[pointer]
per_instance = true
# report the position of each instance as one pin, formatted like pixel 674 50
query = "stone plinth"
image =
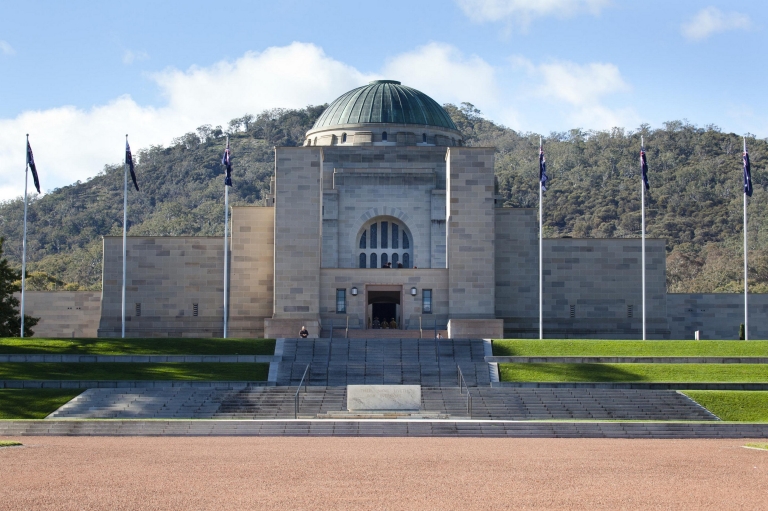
pixel 383 397
pixel 476 328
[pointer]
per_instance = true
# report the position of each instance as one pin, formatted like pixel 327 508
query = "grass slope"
pixel 122 371
pixel 607 348
pixel 137 346
pixel 33 403
pixel 709 373
pixel 743 405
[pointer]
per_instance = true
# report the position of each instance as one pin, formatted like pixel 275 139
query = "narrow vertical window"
pixel 384 259
pixel 395 260
pixel 374 264
pixel 374 235
pixel 406 241
pixel 341 301
pixel 384 234
pixel 426 301
pixel 362 260
pixel 395 236
pixel 343 138
pixel 424 138
pixel 363 239
pixel 406 260
pixel 384 137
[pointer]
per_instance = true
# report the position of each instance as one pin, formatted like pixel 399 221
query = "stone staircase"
pixel 395 361
pixel 150 403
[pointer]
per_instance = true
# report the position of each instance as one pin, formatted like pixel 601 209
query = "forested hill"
pixel 695 201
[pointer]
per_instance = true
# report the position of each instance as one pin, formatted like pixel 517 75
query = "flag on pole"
pixel 644 168
pixel 542 169
pixel 747 172
pixel 227 162
pixel 129 162
pixel 31 163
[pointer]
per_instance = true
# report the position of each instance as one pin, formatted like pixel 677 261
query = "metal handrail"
pixel 296 395
pixel 461 391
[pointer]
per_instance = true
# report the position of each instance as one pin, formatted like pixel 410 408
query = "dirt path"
pixel 62 473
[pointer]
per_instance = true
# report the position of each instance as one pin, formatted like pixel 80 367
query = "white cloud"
pixel 712 20
pixel 523 11
pixel 73 144
pixel 129 57
pixel 583 89
pixel 444 73
pixel 6 48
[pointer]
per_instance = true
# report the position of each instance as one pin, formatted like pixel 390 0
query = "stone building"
pixel 385 215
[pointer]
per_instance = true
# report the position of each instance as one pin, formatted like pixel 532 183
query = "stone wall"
pixel 592 287
pixel 411 306
pixel 517 267
pixel 361 183
pixel 298 232
pixel 470 231
pixel 64 313
pixel 716 315
pixel 251 270
pixel 166 277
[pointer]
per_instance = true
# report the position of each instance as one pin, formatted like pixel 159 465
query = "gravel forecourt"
pixel 291 473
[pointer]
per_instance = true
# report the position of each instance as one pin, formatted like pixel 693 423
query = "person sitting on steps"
pixel 393 324
pixel 304 333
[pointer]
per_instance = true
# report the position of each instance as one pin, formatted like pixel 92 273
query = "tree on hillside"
pixel 10 319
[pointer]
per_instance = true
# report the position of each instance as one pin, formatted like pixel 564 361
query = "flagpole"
pixel 125 228
pixel 642 200
pixel 24 239
pixel 226 248
pixel 746 295
pixel 541 257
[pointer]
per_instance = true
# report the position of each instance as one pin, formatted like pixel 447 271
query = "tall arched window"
pixel 384 137
pixel 383 239
pixel 424 138
pixel 343 138
pixel 362 260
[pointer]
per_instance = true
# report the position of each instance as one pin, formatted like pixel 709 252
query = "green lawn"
pixel 8 443
pixel 733 405
pixel 710 373
pixel 138 346
pixel 607 348
pixel 33 403
pixel 759 446
pixel 125 371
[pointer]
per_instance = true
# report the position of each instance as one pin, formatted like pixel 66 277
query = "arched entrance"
pixel 383 303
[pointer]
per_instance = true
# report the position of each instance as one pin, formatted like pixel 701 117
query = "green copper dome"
pixel 385 101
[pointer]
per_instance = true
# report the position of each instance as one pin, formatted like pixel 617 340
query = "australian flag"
pixel 542 170
pixel 747 173
pixel 129 162
pixel 31 163
pixel 644 168
pixel 227 162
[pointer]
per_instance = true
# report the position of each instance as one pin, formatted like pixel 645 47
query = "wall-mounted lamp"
pixel 413 291
pixel 354 291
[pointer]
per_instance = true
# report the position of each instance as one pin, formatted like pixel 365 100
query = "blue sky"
pixel 77 76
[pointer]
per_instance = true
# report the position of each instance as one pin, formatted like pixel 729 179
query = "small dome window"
pixel 384 137
pixel 424 138
pixel 343 138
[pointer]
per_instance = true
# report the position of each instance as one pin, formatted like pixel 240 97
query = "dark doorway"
pixel 384 306
pixel 384 311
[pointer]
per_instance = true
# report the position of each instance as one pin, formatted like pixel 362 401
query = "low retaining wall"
pixel 128 384
pixel 639 386
pixel 394 428
pixel 627 360
pixel 153 359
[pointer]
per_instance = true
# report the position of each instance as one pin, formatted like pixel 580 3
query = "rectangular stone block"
pixel 383 397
